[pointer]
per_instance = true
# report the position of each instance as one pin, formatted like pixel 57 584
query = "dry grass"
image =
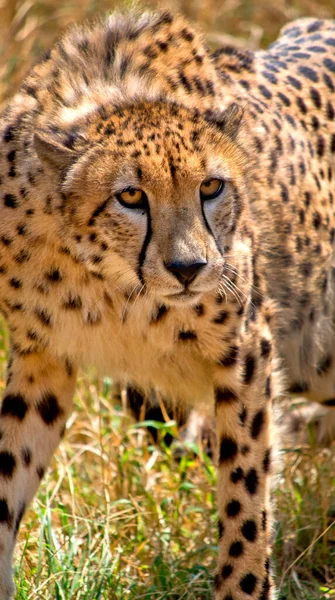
pixel 116 516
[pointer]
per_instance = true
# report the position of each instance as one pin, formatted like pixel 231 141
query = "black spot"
pixel 285 100
pixel 22 256
pixel 21 229
pixel 270 77
pixel 249 530
pixel 187 335
pixel 54 275
pixel 328 82
pixel 10 201
pixel 324 365
pixel 236 475
pixel 199 309
pixel 19 517
pixel 173 169
pixel 224 396
pixel 257 424
pixel 258 144
pixel 26 456
pixel 320 146
pixel 248 583
pixel 15 283
pixel 267 461
pixel 226 571
pixel 330 111
pixel 265 595
pixel 330 402
pixel 313 27
pixel 221 317
pixel 264 520
pixel 73 302
pixel 251 481
pixel 32 335
pixel 124 64
pixel 236 549
pixel 7 464
pixel 249 368
pixel 308 73
pixel 44 316
pixel 40 472
pixel 6 516
pixel 301 213
pixel 294 82
pixel 49 408
pixel 306 269
pixel 301 105
pixel 265 92
pixel 6 240
pixel 14 405
pixel 162 45
pixel 243 415
pixel 315 123
pixel 68 367
pixel 265 347
pixel 230 359
pixel 228 449
pixel 329 64
pixel 298 388
pixel 284 193
pixel 9 133
pixel 267 565
pixel 233 508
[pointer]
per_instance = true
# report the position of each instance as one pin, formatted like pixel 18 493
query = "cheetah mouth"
pixel 183 297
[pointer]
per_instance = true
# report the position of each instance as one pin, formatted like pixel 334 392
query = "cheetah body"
pixel 142 103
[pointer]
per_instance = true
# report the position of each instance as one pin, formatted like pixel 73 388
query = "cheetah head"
pixel 150 196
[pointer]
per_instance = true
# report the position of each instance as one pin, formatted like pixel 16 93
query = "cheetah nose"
pixel 185 272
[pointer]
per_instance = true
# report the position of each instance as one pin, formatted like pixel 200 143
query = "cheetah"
pixel 167 215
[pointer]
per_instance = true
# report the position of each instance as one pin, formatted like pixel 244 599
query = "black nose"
pixel 185 272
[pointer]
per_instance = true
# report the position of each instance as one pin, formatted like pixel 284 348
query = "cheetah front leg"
pixel 243 415
pixel 35 406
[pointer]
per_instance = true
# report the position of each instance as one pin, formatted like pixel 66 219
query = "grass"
pixel 116 516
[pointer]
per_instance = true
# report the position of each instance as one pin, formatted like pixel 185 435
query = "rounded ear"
pixel 228 120
pixel 53 154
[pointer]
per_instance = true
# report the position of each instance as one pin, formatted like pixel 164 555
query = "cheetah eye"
pixel 133 198
pixel 211 189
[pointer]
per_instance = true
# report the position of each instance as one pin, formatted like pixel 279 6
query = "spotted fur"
pixel 139 101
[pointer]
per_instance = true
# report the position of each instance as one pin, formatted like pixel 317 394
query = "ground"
pixel 127 520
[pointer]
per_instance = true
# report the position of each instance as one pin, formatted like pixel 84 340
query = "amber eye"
pixel 211 188
pixel 133 198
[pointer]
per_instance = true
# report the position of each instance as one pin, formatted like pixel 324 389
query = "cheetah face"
pixel 152 203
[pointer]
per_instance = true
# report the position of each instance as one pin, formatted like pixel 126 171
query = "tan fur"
pixel 140 102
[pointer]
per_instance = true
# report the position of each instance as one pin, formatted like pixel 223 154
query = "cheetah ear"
pixel 57 156
pixel 228 120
